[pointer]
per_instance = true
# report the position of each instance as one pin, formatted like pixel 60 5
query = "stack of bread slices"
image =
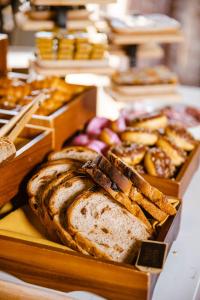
pixel 95 205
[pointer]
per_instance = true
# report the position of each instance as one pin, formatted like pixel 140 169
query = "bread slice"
pixel 104 228
pixel 45 196
pixel 128 188
pixel 61 198
pixel 44 176
pixel 112 188
pixel 79 153
pixel 139 182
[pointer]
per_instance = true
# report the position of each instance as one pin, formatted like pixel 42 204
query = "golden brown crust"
pixel 129 190
pixel 77 149
pixel 158 163
pixel 146 189
pixel 111 187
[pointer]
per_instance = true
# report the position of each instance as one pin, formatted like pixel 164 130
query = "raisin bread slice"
pixel 45 196
pixel 129 189
pixel 152 193
pixel 112 188
pixel 43 177
pixel 59 201
pixel 79 153
pixel 103 227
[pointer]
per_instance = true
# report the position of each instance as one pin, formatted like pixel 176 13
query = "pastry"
pixel 131 153
pixel 180 137
pixel 158 163
pixel 140 136
pixel 150 121
pixel 176 154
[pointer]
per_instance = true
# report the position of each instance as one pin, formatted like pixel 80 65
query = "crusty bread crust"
pixel 79 153
pixel 57 216
pixel 138 181
pixel 128 188
pixel 105 182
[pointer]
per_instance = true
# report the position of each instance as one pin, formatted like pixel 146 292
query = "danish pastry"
pixel 181 137
pixel 158 163
pixel 177 155
pixel 139 136
pixel 150 121
pixel 131 153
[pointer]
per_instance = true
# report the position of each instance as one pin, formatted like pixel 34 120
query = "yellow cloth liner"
pixel 22 224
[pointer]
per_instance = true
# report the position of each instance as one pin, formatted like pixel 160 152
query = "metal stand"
pixel 131 51
pixel 61 16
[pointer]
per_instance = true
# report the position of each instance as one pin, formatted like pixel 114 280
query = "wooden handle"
pixel 16 124
pixel 13 291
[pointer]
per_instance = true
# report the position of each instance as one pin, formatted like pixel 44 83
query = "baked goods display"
pixel 70 46
pixel 15 93
pixel 184 115
pixel 157 75
pixel 155 23
pixel 81 198
pixel 148 143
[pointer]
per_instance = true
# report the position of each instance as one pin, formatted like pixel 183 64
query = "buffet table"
pixel 180 278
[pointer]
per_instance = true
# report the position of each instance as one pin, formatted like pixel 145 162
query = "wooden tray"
pixel 66 270
pixel 128 98
pixel 66 120
pixel 29 155
pixel 132 90
pixel 178 186
pixel 70 2
pixel 141 38
pixel 74 67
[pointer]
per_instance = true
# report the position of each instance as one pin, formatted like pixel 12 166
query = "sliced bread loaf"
pixel 43 177
pixel 128 188
pixel 59 201
pixel 79 153
pixel 103 227
pixel 139 182
pixel 112 188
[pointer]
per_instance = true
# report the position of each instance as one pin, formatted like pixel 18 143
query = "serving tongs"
pixel 10 131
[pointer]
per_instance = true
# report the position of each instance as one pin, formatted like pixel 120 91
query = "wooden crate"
pixel 178 186
pixel 66 120
pixel 141 95
pixel 67 270
pixel 3 54
pixel 29 155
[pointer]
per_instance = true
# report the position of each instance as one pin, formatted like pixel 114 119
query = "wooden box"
pixel 178 186
pixel 28 155
pixel 65 270
pixel 3 54
pixel 66 120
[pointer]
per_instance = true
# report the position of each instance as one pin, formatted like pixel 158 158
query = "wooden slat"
pixel 70 2
pixel 3 54
pixel 13 291
pixel 128 39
